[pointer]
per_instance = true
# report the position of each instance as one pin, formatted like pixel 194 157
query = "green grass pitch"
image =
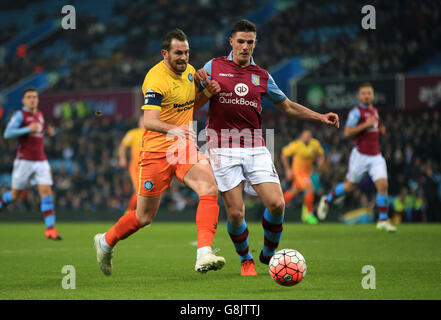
pixel 158 263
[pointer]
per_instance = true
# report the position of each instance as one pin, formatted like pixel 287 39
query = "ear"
pixel 231 41
pixel 164 53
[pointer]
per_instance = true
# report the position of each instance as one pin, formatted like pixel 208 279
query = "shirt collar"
pixel 171 72
pixel 362 105
pixel 26 109
pixel 230 57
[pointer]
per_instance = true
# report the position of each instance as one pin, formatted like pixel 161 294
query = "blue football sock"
pixel 47 208
pixel 272 231
pixel 239 236
pixel 336 192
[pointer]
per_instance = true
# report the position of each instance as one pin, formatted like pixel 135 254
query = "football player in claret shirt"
pixel 364 127
pixel 236 147
pixel 30 165
pixel 132 140
pixel 304 151
pixel 168 150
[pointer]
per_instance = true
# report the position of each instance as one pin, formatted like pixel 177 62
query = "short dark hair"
pixel 177 34
pixel 29 89
pixel 365 85
pixel 245 26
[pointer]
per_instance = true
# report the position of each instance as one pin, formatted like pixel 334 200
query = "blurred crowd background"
pixel 117 41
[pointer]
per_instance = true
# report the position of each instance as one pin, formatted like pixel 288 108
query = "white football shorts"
pixel 360 163
pixel 231 166
pixel 27 173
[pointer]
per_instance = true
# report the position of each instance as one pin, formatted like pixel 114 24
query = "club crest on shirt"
pixel 255 79
pixel 148 185
pixel 190 77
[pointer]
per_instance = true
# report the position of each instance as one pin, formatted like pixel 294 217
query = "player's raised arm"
pixel 294 109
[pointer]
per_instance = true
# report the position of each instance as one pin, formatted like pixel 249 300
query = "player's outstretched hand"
pixel 331 119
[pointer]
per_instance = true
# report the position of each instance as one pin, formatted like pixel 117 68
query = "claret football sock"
pixel 126 225
pixel 207 215
pixel 272 230
pixel 336 192
pixel 239 236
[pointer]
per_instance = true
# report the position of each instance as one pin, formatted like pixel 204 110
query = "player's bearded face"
pixel 243 44
pixel 177 56
pixel 366 95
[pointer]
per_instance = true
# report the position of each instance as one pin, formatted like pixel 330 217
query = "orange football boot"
pixel 52 233
pixel 247 268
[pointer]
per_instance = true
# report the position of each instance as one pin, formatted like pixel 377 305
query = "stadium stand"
pixel 121 42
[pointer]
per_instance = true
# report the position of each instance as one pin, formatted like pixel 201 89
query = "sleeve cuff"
pixel 150 107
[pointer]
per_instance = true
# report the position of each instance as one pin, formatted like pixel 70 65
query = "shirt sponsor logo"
pixel 184 106
pixel 226 75
pixel 239 101
pixel 241 89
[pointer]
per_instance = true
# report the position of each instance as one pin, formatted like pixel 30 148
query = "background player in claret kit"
pixel 364 127
pixel 30 165
pixel 304 151
pixel 168 150
pixel 239 158
pixel 132 140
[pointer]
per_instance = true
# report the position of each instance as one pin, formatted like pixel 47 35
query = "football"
pixel 287 267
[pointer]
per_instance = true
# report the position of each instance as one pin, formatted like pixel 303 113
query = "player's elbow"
pixel 148 124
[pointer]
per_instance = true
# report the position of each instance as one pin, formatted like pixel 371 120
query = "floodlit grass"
pixel 158 263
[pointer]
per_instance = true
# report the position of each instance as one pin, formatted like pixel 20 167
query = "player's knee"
pixel 309 189
pixel 144 217
pixel 15 194
pixel 277 207
pixel 349 186
pixel 236 215
pixel 144 220
pixel 382 187
pixel 208 189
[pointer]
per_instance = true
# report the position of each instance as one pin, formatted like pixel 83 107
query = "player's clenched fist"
pixel 371 121
pixel 212 86
pixel 201 75
pixel 331 119
pixel 34 127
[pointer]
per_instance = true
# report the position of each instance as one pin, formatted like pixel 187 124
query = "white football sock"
pixel 104 245
pixel 202 251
